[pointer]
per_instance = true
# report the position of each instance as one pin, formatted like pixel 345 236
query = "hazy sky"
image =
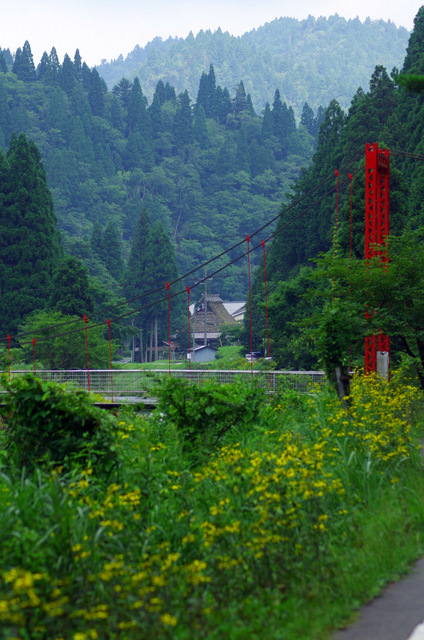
pixel 107 28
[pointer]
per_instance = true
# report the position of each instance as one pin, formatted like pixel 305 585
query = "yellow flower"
pixel 169 620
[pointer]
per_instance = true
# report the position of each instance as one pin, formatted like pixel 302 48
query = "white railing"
pixel 134 383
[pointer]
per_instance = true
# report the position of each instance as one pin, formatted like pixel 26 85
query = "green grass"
pixel 279 528
pixel 158 364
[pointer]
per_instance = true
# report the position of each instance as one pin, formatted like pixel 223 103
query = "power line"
pixel 202 266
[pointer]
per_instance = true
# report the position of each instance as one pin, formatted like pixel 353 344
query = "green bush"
pixel 47 423
pixel 204 413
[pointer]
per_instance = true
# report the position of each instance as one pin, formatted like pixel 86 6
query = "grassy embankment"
pixel 227 517
pixel 229 357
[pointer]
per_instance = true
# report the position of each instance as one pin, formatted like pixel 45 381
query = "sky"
pixel 104 29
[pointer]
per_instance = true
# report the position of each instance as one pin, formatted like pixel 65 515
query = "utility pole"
pixel 205 341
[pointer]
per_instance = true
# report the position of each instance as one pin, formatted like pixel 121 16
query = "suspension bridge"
pixel 130 386
pixel 377 347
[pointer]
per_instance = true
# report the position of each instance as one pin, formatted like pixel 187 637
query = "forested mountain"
pixel 313 60
pixel 386 114
pixel 210 172
pixel 136 181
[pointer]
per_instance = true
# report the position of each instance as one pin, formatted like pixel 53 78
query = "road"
pixel 398 614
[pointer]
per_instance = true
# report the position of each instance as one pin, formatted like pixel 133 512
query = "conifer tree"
pixel 112 251
pixel 78 65
pixel 267 123
pixel 240 100
pixel 116 118
pixel 134 280
pixel 137 108
pixel 156 115
pixel 71 289
pixel 27 71
pixel 29 240
pixel 183 123
pixel 200 130
pixel 16 69
pixel 43 68
pixel 54 67
pixel 307 119
pixel 68 76
pixel 206 92
pixel 85 77
pixel 3 63
pixel 161 267
pixel 96 240
pixel 95 95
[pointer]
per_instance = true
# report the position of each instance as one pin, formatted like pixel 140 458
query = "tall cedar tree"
pixel 29 240
pixel 71 288
pixel 112 251
pixel 135 283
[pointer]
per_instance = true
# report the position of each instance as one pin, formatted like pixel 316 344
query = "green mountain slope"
pixel 210 172
pixel 313 60
pixel 386 114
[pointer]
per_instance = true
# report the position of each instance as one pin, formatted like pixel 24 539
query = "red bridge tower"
pixel 377 171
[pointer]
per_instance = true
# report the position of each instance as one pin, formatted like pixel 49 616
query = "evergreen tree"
pixel 200 130
pixel 206 93
pixel 68 76
pixel 96 240
pixel 137 108
pixel 112 251
pixel 29 240
pixel 16 69
pixel 54 67
pixel 160 92
pixel 70 288
pixel 161 267
pixel 3 63
pixel 43 68
pixel 307 119
pixel 85 77
pixel 155 113
pixel 240 100
pixel 169 94
pixel 95 95
pixel 242 151
pixel 223 105
pixel 116 118
pixel 78 66
pixel 183 123
pixel 267 123
pixel 122 91
pixel 27 71
pixel 277 113
pixel 134 280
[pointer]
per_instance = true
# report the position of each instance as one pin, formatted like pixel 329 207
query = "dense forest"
pixel 391 116
pixel 145 190
pixel 305 59
pixel 209 171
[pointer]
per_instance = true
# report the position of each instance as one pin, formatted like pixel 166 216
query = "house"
pixel 209 316
pixel 236 309
pixel 202 354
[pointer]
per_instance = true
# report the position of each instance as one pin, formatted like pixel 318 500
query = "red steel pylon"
pixel 377 195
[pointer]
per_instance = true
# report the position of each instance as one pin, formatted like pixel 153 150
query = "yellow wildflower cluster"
pixel 140 561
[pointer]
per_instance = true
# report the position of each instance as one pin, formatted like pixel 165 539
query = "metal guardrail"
pixel 139 382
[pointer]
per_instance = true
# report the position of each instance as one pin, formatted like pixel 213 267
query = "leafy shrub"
pixel 203 413
pixel 46 423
